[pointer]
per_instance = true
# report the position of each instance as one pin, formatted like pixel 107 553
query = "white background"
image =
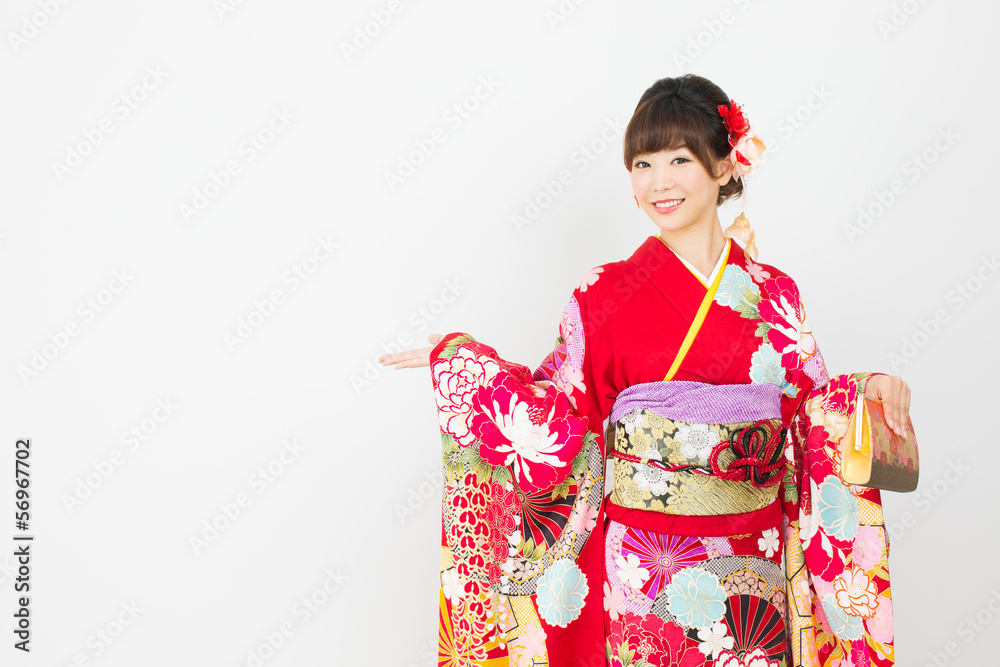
pixel 846 95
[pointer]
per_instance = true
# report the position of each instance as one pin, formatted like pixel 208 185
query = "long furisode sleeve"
pixel 523 465
pixel 836 547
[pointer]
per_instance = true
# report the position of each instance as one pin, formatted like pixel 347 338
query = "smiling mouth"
pixel 667 204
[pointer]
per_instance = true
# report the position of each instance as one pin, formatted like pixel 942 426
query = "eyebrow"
pixel 679 148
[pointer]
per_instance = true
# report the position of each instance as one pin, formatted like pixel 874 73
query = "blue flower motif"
pixel 732 286
pixel 766 368
pixel 838 509
pixel 561 591
pixel 843 624
pixel 696 597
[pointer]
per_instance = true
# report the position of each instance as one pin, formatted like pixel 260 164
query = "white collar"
pixel 698 274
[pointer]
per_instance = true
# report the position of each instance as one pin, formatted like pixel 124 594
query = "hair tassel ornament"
pixel 746 148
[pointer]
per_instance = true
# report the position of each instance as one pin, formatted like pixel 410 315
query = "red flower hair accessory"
pixel 746 146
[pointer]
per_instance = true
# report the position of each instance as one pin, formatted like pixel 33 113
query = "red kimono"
pixel 663 489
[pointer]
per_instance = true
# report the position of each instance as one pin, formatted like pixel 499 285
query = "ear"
pixel 726 166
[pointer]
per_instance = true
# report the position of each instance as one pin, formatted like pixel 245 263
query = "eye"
pixel 683 159
pixel 640 163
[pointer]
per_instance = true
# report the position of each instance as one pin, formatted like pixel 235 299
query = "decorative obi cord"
pixel 695 458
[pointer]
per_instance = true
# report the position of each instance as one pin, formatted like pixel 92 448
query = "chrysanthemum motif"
pixel 663 555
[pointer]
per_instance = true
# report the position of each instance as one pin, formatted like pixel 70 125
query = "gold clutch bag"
pixel 872 455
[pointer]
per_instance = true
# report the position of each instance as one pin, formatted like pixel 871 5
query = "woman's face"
pixel 675 190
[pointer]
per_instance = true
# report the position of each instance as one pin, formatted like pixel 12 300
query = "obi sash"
pixel 697 459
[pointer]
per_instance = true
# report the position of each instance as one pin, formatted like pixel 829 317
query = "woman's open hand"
pixel 894 395
pixel 411 358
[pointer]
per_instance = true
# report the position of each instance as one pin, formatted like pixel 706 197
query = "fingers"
pixel 900 415
pixel 395 358
pixel 897 405
pixel 411 358
pixel 890 404
pixel 904 407
pixel 409 363
pixel 889 409
pixel 407 358
pixel 873 389
pixel 894 394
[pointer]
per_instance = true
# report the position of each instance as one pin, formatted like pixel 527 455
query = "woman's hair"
pixel 682 111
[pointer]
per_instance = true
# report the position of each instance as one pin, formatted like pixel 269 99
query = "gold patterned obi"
pixel 720 452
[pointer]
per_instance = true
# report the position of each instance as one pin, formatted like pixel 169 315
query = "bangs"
pixel 665 124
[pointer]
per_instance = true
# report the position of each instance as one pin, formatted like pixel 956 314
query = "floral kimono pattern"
pixel 544 561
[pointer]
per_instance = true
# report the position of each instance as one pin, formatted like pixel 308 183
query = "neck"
pixel 701 245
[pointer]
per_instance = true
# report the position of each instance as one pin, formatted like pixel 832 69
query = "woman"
pixel 723 539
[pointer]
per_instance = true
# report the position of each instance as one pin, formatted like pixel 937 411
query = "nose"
pixel 663 178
